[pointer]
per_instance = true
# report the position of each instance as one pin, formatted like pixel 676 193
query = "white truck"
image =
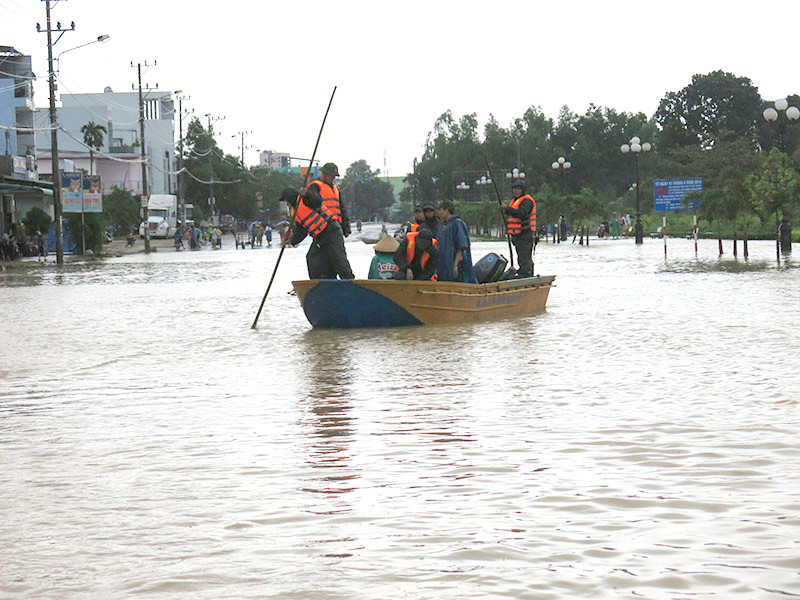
pixel 162 211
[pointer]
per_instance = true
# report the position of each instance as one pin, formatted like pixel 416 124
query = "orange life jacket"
pixel 515 225
pixel 413 228
pixel 330 199
pixel 411 236
pixel 314 221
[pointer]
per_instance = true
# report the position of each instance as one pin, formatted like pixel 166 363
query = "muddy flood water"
pixel 640 439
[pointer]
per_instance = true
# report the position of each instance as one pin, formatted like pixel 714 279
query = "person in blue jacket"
pixel 454 262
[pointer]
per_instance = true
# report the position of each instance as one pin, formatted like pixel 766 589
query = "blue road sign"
pixel 668 193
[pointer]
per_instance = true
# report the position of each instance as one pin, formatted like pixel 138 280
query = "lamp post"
pixel 636 146
pixel 790 113
pixel 100 38
pixel 463 186
pixel 560 166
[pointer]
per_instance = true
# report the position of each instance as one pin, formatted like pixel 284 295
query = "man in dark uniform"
pixel 326 257
pixel 325 191
pixel 521 226
pixel 429 212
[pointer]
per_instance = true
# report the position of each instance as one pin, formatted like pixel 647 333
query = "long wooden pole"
pixel 502 214
pixel 285 238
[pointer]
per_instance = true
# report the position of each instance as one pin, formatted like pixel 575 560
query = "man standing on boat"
pixel 454 262
pixel 521 226
pixel 326 257
pixel 324 191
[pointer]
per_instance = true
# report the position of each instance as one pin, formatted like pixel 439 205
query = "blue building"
pixel 20 188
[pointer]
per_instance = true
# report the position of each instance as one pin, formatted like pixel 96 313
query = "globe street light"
pixel 636 146
pixel 561 165
pixel 791 113
pixel 515 173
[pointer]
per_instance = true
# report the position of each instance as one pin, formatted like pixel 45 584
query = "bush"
pixel 36 220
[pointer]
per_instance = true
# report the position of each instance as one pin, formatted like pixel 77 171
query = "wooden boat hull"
pixel 375 303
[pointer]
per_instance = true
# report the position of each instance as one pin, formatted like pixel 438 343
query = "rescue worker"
pixel 417 254
pixel 521 226
pixel 419 219
pixel 326 258
pixel 325 192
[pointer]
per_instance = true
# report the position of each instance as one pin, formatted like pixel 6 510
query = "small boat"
pixel 337 303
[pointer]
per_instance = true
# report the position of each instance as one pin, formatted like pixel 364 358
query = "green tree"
pixel 93 137
pixel 710 105
pixel 36 220
pixel 776 186
pixel 122 210
pixel 364 194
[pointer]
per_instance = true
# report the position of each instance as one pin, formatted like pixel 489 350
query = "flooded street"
pixel 637 440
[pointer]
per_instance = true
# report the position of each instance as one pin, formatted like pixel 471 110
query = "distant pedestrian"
pixel 268 234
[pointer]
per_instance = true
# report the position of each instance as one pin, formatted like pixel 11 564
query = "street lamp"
pixel 100 38
pixel 515 173
pixel 791 113
pixel 463 186
pixel 636 146
pixel 561 165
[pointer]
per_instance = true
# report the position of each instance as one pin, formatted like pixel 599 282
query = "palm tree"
pixel 93 137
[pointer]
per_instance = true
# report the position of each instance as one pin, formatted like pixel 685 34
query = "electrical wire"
pixel 32 78
pixel 99 153
pixel 29 129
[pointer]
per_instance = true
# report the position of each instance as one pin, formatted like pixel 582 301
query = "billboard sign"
pixel 71 192
pixel 92 194
pixel 668 193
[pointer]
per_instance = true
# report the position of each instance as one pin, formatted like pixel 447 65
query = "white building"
pixel 274 160
pixel 118 161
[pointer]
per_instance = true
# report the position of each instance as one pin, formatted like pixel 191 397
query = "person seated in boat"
pixel 429 214
pixel 383 265
pixel 419 219
pixel 326 258
pixel 454 262
pixel 416 255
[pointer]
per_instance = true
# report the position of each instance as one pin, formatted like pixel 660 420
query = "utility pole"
pixel 243 147
pixel 181 188
pixel 145 195
pixel 211 199
pixel 54 132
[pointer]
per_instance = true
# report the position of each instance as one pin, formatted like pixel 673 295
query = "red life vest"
pixel 330 199
pixel 515 225
pixel 411 236
pixel 314 221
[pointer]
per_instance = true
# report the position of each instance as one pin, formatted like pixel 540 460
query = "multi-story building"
pixel 20 188
pixel 274 160
pixel 118 160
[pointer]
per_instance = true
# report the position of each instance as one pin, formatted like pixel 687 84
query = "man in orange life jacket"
pixel 325 192
pixel 416 257
pixel 326 258
pixel 521 226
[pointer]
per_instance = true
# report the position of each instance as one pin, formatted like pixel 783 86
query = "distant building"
pixel 20 188
pixel 274 160
pixel 117 161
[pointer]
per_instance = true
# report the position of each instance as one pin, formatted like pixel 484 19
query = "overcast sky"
pixel 269 67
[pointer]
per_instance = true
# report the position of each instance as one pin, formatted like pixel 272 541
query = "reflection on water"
pixel 638 439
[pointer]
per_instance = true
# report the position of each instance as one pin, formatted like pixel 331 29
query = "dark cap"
pixel 330 169
pixel 417 209
pixel 428 206
pixel 518 184
pixel 289 195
